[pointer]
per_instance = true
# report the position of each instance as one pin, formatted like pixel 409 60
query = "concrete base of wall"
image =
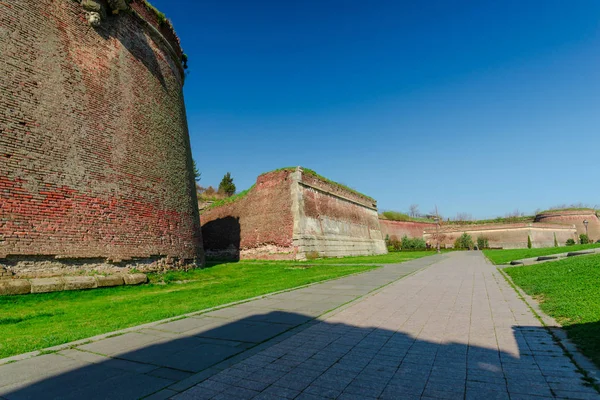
pixel 336 246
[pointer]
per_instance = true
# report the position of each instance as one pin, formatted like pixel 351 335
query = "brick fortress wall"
pixel 334 222
pixel 399 229
pixel 259 225
pixel 574 217
pixel 95 167
pixel 289 215
pixel 506 236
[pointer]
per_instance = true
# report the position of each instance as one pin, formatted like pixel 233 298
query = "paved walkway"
pixel 452 330
pixel 170 355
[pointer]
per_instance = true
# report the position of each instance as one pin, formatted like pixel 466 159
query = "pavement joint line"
pixel 577 358
pixel 81 342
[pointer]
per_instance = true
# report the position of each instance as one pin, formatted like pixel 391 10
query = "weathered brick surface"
pixel 261 220
pixel 404 228
pixel 574 217
pixel 289 215
pixel 94 150
pixel 507 236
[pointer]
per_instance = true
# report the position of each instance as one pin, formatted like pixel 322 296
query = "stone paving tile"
pixel 454 330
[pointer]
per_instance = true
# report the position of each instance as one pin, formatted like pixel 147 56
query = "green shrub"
pixel 528 241
pixel 413 243
pixel 464 241
pixel 312 255
pixel 570 242
pixel 482 242
pixel 584 239
pixel 394 244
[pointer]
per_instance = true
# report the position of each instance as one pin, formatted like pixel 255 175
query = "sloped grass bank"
pixel 569 291
pixel 34 322
pixel 505 256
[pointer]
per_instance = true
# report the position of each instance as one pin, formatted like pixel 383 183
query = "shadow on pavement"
pixel 297 355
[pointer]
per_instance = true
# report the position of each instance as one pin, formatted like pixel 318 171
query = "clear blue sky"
pixel 477 106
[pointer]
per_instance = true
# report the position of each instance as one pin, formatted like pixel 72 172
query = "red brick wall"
pixel 402 228
pixel 94 149
pixel 574 218
pixel 507 236
pixel 259 225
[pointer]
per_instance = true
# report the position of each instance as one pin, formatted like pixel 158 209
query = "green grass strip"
pixel 569 291
pixel 34 322
pixel 505 256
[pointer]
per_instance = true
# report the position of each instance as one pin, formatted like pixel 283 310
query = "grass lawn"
pixel 390 258
pixel 506 256
pixel 37 321
pixel 569 291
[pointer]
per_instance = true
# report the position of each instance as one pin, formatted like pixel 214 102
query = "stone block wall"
pixel 291 214
pixel 95 160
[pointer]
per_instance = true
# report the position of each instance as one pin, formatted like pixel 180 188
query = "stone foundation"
pixel 26 267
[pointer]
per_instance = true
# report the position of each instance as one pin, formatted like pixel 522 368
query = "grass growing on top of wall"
pixel 310 172
pixel 231 199
pixel 34 322
pixel 398 216
pixel 568 290
pixel 506 256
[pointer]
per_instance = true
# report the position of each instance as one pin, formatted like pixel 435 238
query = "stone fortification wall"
pixel 257 226
pixel 292 214
pixel 404 228
pixel 574 217
pixel 507 236
pixel 334 222
pixel 95 161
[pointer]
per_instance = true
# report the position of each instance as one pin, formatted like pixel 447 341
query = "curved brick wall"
pixel 574 217
pixel 400 229
pixel 94 147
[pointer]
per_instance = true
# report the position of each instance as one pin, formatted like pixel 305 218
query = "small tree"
pixel 227 186
pixel 528 241
pixel 570 242
pixel 555 240
pixel 584 239
pixel 464 241
pixel 197 174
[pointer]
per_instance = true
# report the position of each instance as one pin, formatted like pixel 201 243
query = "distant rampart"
pixel 293 214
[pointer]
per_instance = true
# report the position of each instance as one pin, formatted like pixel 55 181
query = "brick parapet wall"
pixel 336 190
pixel 574 217
pixel 400 229
pixel 507 236
pixel 94 147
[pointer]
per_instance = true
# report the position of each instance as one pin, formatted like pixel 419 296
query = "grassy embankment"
pixel 569 291
pixel 506 256
pixel 34 322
